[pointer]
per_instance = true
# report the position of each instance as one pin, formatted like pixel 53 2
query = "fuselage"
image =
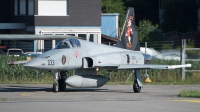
pixel 85 55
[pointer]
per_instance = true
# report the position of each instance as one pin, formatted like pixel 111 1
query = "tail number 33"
pixel 51 62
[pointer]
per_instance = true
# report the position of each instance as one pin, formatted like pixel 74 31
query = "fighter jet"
pixel 87 58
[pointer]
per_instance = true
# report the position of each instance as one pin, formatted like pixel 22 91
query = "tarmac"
pixel 116 98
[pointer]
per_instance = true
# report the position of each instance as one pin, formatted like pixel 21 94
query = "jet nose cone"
pixel 29 65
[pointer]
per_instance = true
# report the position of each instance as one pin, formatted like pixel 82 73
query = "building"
pixel 51 17
pixel 110 24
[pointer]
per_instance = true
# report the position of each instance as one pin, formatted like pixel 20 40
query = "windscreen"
pixel 63 44
pixel 68 43
pixel 75 42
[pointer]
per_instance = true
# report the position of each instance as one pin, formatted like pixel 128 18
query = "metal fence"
pixel 186 54
pixel 183 58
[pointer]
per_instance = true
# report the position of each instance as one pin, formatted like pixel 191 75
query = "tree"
pixel 179 15
pixel 114 6
pixel 144 29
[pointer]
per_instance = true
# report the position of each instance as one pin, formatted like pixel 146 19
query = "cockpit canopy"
pixel 68 43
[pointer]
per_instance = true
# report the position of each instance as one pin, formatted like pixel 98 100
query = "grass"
pixel 17 74
pixel 189 93
pixel 119 83
pixel 4 99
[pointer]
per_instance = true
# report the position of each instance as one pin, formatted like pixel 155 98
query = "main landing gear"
pixel 59 81
pixel 137 85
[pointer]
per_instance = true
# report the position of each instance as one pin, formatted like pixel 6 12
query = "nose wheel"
pixel 55 84
pixel 55 87
pixel 61 81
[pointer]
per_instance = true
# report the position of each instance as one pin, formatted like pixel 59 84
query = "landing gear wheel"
pixel 136 87
pixel 61 81
pixel 55 87
pixel 55 84
pixel 62 85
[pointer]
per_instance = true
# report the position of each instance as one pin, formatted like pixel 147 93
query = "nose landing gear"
pixel 59 81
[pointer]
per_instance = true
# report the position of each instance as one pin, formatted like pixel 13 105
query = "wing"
pixel 144 66
pixel 35 37
pixel 150 66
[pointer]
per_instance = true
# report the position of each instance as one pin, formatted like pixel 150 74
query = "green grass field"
pixel 189 93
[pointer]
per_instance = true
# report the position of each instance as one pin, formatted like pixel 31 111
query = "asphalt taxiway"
pixel 116 98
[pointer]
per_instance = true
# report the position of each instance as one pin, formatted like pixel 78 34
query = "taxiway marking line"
pixel 191 101
pixel 30 95
pixel 108 99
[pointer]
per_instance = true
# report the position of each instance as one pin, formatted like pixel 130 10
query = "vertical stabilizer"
pixel 129 35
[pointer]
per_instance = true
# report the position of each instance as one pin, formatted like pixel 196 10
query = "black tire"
pixel 62 85
pixel 61 81
pixel 136 87
pixel 55 88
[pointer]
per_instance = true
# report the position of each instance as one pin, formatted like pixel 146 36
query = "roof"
pixel 107 39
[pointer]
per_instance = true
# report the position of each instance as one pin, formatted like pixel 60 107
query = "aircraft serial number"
pixel 51 62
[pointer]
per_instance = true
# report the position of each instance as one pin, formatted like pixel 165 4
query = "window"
pixel 16 7
pixel 83 36
pixel 93 38
pixel 71 34
pixel 23 7
pixel 52 7
pixel 30 7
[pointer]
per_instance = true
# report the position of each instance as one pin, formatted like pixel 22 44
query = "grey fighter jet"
pixel 87 58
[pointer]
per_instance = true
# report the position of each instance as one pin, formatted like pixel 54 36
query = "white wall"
pixel 52 7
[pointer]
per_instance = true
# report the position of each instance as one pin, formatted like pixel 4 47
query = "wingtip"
pixel 188 65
